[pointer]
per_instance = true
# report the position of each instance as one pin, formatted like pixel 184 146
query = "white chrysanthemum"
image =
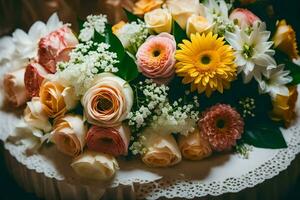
pixel 93 23
pixel 132 35
pixel 217 14
pixel 253 51
pixel 85 64
pixel 274 81
pixel 23 46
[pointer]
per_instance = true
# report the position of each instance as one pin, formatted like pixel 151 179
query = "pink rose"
pixel 56 47
pixel 113 141
pixel 33 78
pixel 243 17
pixel 156 57
pixel 14 87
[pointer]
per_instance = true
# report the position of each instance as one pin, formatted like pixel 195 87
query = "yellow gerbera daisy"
pixel 206 62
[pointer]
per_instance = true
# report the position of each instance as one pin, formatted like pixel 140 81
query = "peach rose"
pixel 56 47
pixel 35 115
pixel 113 141
pixel 159 20
pixel 197 24
pixel 33 78
pixel 69 134
pixel 194 146
pixel 14 87
pixel 161 150
pixel 143 6
pixel 156 57
pixel 108 102
pixel 96 166
pixel 57 99
pixel 243 17
pixel 182 10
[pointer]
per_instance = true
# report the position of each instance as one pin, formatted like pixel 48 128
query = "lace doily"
pixel 214 176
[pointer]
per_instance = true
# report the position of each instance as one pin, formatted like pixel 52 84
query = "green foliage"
pixel 178 33
pixel 131 17
pixel 128 68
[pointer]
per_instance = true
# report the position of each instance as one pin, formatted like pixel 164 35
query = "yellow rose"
pixel 97 166
pixel 159 20
pixel 194 147
pixel 143 6
pixel 285 39
pixel 56 99
pixel 284 106
pixel 197 24
pixel 117 27
pixel 162 150
pixel 182 10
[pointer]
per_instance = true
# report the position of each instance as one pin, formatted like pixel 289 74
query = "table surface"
pixel 9 190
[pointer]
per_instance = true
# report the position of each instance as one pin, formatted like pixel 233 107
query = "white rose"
pixel 97 166
pixel 182 10
pixel 69 134
pixel 108 102
pixel 197 24
pixel 159 20
pixel 35 115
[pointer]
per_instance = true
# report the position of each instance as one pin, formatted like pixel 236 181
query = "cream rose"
pixel 197 24
pixel 182 10
pixel 14 87
pixel 193 146
pixel 162 150
pixel 97 166
pixel 35 115
pixel 69 134
pixel 108 102
pixel 159 20
pixel 57 99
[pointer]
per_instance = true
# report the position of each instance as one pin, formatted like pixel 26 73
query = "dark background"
pixel 9 190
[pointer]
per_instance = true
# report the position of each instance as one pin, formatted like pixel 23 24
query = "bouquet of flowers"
pixel 179 80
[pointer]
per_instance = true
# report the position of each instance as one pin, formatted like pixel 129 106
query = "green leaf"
pixel 128 68
pixel 264 136
pixel 114 42
pixel 289 65
pixel 80 23
pixel 131 17
pixel 178 33
pixel 98 37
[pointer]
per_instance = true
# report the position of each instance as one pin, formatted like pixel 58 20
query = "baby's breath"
pixel 86 61
pixel 93 23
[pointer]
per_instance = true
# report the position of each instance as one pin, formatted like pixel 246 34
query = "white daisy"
pixel 253 53
pixel 274 81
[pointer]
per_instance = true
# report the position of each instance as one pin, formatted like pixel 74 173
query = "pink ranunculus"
pixel 33 78
pixel 113 141
pixel 55 47
pixel 156 57
pixel 14 87
pixel 243 17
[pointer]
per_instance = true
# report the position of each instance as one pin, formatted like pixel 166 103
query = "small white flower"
pixel 252 51
pixel 274 81
pixel 93 23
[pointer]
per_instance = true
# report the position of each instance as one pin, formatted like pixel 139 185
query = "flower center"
pixel 156 53
pixel 104 104
pixel 220 123
pixel 106 141
pixel 247 51
pixel 205 59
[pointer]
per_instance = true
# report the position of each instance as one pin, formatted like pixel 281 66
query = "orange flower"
pixel 52 99
pixel 284 107
pixel 143 6
pixel 285 39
